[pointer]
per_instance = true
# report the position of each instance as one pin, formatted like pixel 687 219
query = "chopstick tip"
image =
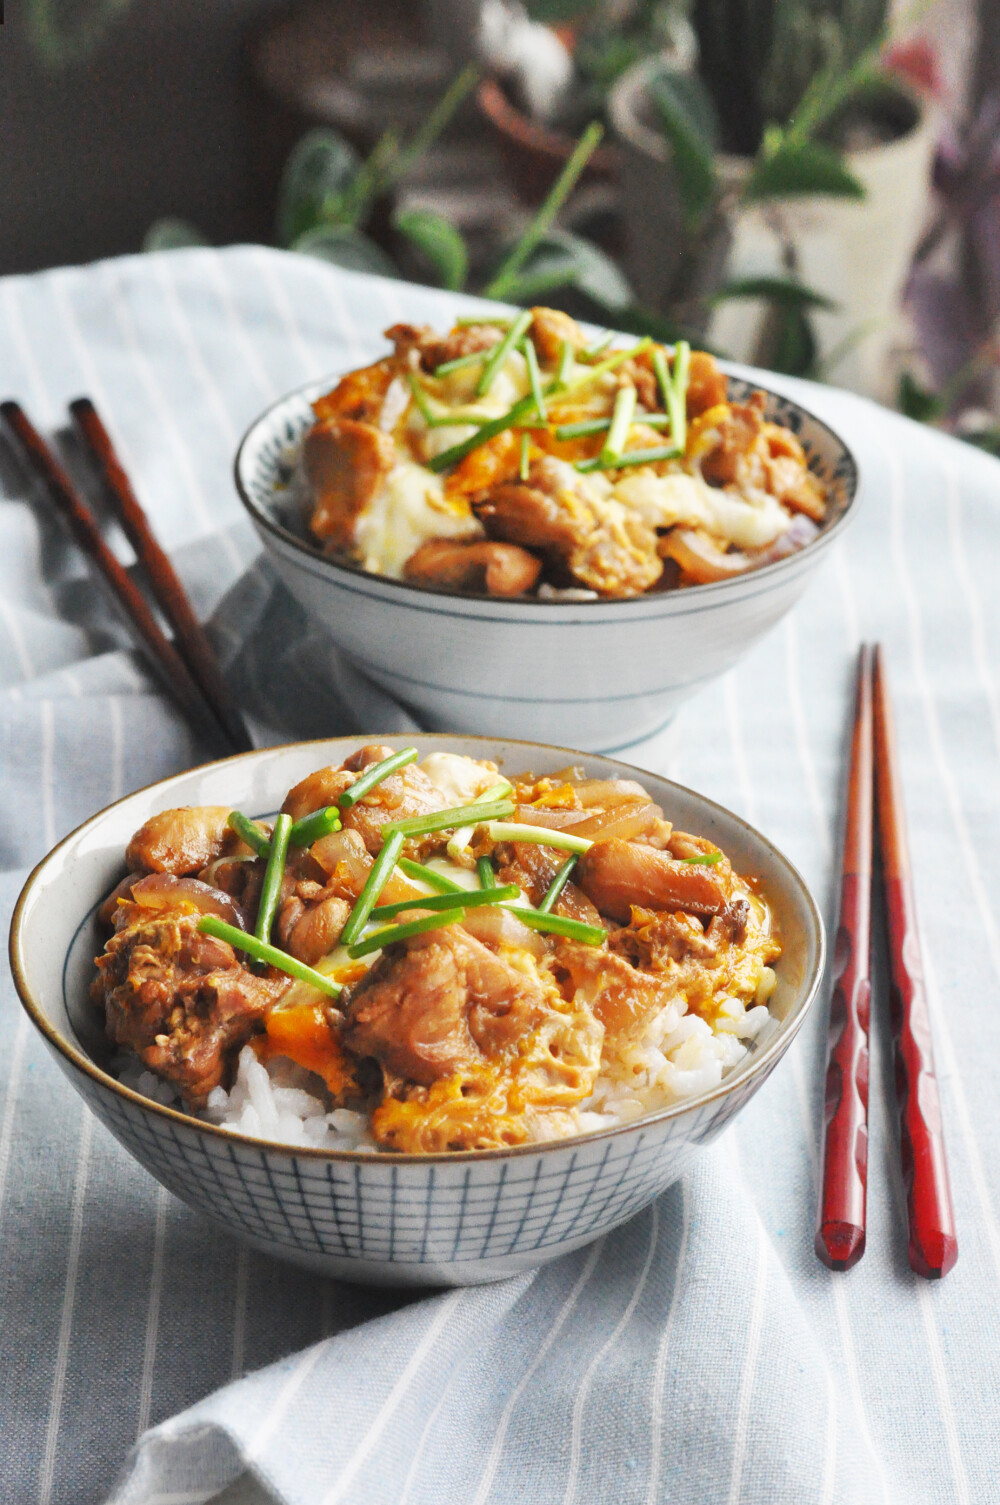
pixel 936 1258
pixel 840 1245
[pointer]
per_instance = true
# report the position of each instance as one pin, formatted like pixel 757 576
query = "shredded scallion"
pixel 621 422
pixel 274 872
pixel 545 836
pixel 366 782
pixel 428 875
pixel 471 898
pixel 391 933
pixel 374 884
pixel 501 351
pixel 558 883
pixel 451 818
pixel 262 951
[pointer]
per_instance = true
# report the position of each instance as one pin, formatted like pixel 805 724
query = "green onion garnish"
pixel 621 422
pixel 390 933
pixel 271 889
pixel 588 426
pixel 565 361
pixel 249 832
pixel 673 388
pixel 631 457
pixel 428 875
pixel 366 782
pixel 459 840
pixel 450 819
pixel 487 877
pixel 468 319
pixel 558 884
pixel 312 827
pixel 500 352
pixel 591 351
pixel 705 859
pixel 544 836
pixel 610 364
pixel 374 884
pixel 421 399
pixel 471 898
pixel 262 951
pixel 525 467
pixel 554 924
pixel 460 362
pixel 486 431
pixel 535 377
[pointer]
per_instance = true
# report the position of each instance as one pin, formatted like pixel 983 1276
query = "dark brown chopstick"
pixel 840 1232
pixel 159 650
pixel 190 638
pixel 933 1247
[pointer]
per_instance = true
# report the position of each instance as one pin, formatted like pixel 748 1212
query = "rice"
pixel 680 1055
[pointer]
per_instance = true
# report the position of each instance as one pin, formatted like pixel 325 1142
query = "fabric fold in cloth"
pixel 700 1353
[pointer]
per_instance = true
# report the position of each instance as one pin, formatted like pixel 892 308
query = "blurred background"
pixel 811 185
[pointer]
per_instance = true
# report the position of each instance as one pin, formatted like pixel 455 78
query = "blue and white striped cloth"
pixel 700 1354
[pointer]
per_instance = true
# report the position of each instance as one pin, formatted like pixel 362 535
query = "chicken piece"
pixel 433 350
pixel 358 395
pixel 616 875
pixel 599 543
pixel 623 998
pixel 402 795
pixel 180 841
pixel 181 1000
pixel 653 939
pixel 317 790
pixel 796 487
pixel 500 569
pixel 438 1004
pixel 499 459
pixel 310 930
pixel 346 464
pixel 738 432
pixel 533 868
pixel 707 385
pixel 550 330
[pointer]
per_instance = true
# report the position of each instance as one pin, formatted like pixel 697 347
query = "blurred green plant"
pixel 70 31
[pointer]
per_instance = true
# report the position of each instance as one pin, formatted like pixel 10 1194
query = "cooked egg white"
pixel 410 509
pixel 749 521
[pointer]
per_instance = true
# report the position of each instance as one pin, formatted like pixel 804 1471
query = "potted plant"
pixel 780 195
pixel 552 64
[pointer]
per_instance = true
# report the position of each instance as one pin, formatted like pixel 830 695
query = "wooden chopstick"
pixel 840 1232
pixel 74 513
pixel 933 1247
pixel 190 637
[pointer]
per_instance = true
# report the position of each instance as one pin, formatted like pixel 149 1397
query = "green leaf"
pixel 917 401
pixel 317 175
pixel 690 124
pixel 556 12
pixel 781 290
pixel 345 247
pixel 561 259
pixel 793 348
pixel 171 234
pixel 786 167
pixel 437 239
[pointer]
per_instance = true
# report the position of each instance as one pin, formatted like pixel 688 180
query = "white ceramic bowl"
pixel 455 1219
pixel 597 674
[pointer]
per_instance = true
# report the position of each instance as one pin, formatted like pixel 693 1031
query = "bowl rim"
pixel 717 588
pixel 79 1059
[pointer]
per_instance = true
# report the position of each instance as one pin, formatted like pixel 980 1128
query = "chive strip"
pixel 535 377
pixel 249 832
pixel 594 349
pixel 544 836
pixel 525 466
pixel 706 859
pixel 428 875
pixel 450 819
pixel 471 898
pixel 262 951
pixel 558 883
pixel 500 352
pixel 312 827
pixel 679 383
pixel 391 933
pixel 650 456
pixel 555 924
pixel 466 320
pixel 603 367
pixel 486 431
pixel 367 781
pixel 374 884
pixel 271 889
pixel 461 361
pixel 621 422
pixel 566 356
pixel 421 399
pixel 588 426
pixel 487 877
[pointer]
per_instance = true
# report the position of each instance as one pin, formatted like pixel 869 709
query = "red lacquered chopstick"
pixel 190 638
pixel 86 533
pixel 933 1246
pixel 840 1232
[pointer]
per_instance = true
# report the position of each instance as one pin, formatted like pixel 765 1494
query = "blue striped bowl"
pixel 598 674
pixel 454 1219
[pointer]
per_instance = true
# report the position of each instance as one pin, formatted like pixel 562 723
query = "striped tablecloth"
pixel 700 1354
